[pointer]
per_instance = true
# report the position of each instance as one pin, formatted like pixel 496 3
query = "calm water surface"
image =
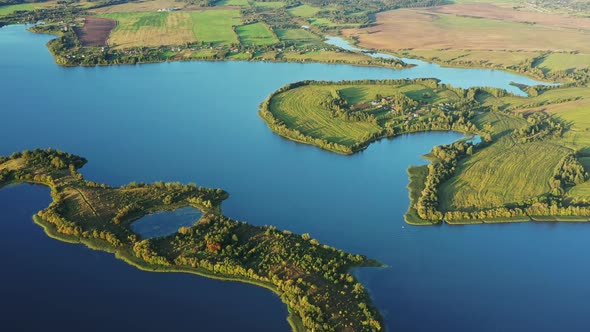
pixel 197 122
pixel 166 222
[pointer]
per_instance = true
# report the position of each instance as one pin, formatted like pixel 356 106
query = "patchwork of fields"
pixel 141 24
pixel 174 28
pixel 484 33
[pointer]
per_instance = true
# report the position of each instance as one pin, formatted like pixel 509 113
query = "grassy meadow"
pixel 215 26
pixel 306 11
pixel 7 10
pixel 256 34
pixel 564 62
pixel 303 108
pixel 173 28
pixel 504 172
pixel 417 175
pixel 299 36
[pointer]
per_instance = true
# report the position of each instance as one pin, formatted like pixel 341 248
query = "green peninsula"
pixel 529 158
pixel 314 280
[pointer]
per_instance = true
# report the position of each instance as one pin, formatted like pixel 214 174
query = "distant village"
pixel 171 9
pixel 387 104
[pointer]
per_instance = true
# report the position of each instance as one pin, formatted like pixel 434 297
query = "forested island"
pixel 525 163
pixel 314 280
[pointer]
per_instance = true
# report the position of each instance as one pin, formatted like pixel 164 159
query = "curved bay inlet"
pixel 197 122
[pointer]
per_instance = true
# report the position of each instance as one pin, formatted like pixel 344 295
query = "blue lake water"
pixel 197 122
pixel 165 223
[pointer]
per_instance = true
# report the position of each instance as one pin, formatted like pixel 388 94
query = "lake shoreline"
pixel 399 66
pixel 215 246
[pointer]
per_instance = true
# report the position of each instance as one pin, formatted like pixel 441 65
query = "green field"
pixel 304 11
pixel 303 108
pixel 549 97
pixel 256 34
pixel 138 20
pixel 564 61
pixel 504 172
pixel 7 10
pixel 215 26
pixel 461 58
pixel 174 28
pixel 269 5
pixel 298 36
pixel 417 175
pixel 150 29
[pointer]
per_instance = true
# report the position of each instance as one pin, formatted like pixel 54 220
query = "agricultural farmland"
pixel 486 34
pixel 5 10
pixel 256 34
pixel 95 31
pixel 173 28
pixel 215 26
pixel 505 172
pixel 150 29
pixel 346 116
pixel 431 30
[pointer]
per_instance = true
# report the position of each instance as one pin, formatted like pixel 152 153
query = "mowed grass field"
pixel 273 4
pixel 215 26
pixel 7 10
pixel 304 11
pixel 302 108
pixel 564 62
pixel 502 173
pixel 576 113
pixel 299 36
pixel 256 34
pixel 173 28
pixel 548 97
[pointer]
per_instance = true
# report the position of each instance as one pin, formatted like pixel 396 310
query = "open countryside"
pixel 425 111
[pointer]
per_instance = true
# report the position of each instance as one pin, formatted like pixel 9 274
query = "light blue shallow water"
pixel 197 122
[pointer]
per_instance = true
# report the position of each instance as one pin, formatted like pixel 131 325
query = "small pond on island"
pixel 165 223
pixel 198 122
